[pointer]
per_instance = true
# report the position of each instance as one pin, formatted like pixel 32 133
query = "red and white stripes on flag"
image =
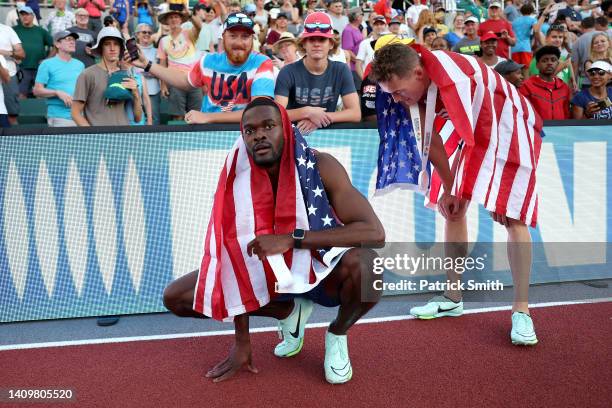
pixel 497 131
pixel 245 206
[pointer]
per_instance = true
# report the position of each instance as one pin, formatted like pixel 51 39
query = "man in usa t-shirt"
pixel 229 80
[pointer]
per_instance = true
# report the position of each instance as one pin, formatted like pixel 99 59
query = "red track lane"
pixel 451 362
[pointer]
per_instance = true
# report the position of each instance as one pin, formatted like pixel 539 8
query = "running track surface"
pixel 451 362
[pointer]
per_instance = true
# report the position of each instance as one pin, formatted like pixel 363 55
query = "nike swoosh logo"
pixel 446 310
pixel 296 333
pixel 343 372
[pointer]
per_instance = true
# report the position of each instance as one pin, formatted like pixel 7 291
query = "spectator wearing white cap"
pixel 86 38
pixel 470 43
pixel 595 102
pixel 177 51
pixel 144 39
pixel 59 19
pixel 501 27
pixel 37 44
pixel 90 106
pixel 56 80
pixel 311 87
pixel 230 80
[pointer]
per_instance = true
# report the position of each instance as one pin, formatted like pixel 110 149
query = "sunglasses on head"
pixel 242 19
pixel 599 72
pixel 320 27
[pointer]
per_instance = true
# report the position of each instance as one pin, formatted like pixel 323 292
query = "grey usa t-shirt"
pixel 467 46
pixel 306 89
pixel 86 39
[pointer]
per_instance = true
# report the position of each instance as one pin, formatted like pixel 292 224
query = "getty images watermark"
pixel 408 265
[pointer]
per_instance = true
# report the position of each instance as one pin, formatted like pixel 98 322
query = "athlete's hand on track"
pixel 239 356
pixel 271 244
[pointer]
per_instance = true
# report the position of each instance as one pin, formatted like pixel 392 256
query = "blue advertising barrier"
pixel 99 223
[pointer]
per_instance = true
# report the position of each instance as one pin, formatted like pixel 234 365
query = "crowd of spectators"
pixel 209 58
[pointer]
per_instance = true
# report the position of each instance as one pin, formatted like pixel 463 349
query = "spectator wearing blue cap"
pixel 56 80
pixel 37 44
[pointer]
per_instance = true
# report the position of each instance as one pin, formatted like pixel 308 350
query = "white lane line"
pixel 267 329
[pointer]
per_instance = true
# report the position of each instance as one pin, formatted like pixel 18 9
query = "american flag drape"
pixel 498 132
pixel 232 283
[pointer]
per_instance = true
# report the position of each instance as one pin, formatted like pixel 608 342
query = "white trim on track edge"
pixel 267 329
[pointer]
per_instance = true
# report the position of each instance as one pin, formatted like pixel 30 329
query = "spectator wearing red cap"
pixel 488 46
pixel 310 88
pixel 502 28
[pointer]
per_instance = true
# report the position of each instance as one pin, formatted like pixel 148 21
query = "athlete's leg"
pixel 178 296
pixel 352 282
pixel 519 257
pixel 455 246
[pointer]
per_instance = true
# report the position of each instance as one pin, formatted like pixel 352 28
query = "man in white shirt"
pixel 413 12
pixel 11 49
pixel 4 77
pixel 365 54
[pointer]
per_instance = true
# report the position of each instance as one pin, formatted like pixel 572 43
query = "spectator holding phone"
pixel 595 102
pixel 85 38
pixel 502 28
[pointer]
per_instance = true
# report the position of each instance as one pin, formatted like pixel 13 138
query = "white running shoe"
pixel 292 329
pixel 522 333
pixel 438 306
pixel 337 364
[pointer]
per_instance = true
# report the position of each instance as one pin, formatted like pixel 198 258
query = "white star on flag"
pixel 416 167
pixel 310 165
pixel 402 164
pixel 327 220
pixel 312 210
pixel 318 192
pixel 302 161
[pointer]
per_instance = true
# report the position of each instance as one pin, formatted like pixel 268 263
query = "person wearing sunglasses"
pixel 144 39
pixel 229 80
pixel 596 101
pixel 311 87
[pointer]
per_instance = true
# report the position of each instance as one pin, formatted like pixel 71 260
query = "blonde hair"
pixel 607 55
pixel 426 18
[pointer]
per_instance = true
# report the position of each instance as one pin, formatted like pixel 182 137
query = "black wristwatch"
pixel 298 236
pixel 148 67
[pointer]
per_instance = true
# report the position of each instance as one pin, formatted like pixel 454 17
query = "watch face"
pixel 299 234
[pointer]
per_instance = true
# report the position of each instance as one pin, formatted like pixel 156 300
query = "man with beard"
pixel 229 80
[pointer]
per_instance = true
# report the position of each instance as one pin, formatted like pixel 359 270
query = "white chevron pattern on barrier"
pixel 45 228
pixel 75 226
pixel 105 226
pixel 16 230
pixel 134 229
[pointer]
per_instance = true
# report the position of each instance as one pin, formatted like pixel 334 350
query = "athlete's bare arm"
pixel 361 225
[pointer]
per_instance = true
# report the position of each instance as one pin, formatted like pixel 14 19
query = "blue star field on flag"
pixel 320 213
pixel 399 160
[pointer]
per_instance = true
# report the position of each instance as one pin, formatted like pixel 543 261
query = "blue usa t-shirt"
pixel 228 87
pixel 59 75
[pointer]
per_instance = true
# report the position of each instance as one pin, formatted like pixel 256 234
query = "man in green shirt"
pixel 37 43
